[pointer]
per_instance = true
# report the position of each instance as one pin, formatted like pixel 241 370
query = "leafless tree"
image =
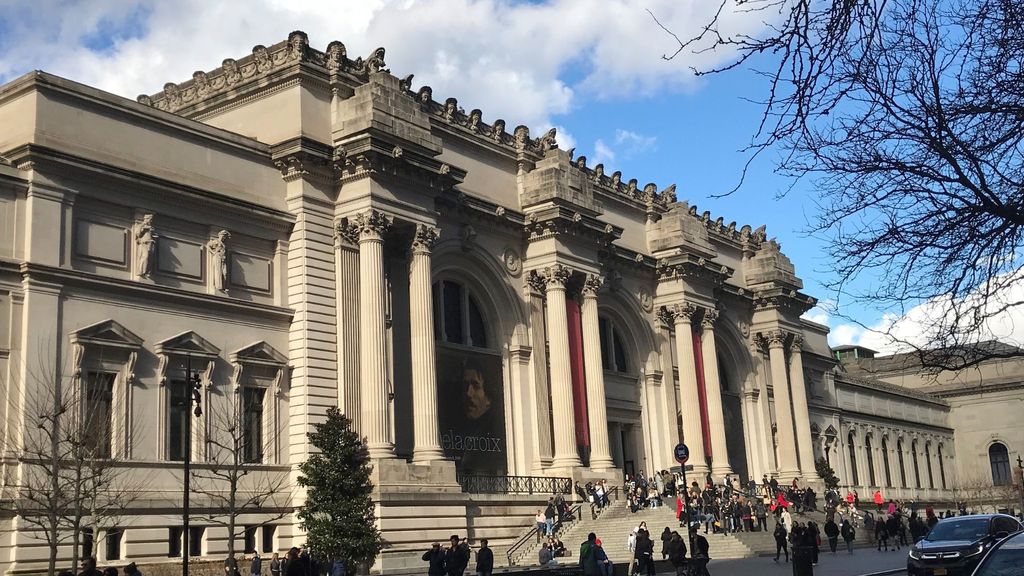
pixel 236 480
pixel 69 478
pixel 981 495
pixel 907 116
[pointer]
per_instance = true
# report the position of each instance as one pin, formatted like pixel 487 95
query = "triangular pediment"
pixel 831 431
pixel 106 333
pixel 187 344
pixel 259 353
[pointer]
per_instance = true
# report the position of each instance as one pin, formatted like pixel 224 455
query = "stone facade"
pixel 479 301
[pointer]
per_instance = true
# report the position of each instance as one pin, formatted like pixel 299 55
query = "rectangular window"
pixel 174 542
pixel 195 540
pixel 252 424
pixel 268 538
pixel 452 294
pixel 87 543
pixel 114 544
pixel 249 540
pixel 178 400
pixel 97 399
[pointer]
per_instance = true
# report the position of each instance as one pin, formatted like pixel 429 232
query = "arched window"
pixel 928 464
pixel 853 460
pixel 903 466
pixel 613 352
pixel 871 461
pixel 942 468
pixel 457 317
pixel 885 462
pixel 999 458
pixel 917 469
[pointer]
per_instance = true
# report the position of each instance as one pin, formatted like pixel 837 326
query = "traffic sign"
pixel 682 453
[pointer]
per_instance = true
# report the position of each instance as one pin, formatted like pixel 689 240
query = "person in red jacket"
pixel 879 501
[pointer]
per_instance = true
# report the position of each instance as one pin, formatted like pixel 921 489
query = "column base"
pixel 381 451
pixel 699 475
pixel 427 455
pixel 720 472
pixel 565 463
pixel 602 464
pixel 787 476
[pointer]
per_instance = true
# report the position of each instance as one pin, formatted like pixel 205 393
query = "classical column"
pixel 561 373
pixel 426 442
pixel 600 457
pixel 346 264
pixel 713 392
pixel 689 397
pixel 801 415
pixel 373 361
pixel 788 468
pixel 541 392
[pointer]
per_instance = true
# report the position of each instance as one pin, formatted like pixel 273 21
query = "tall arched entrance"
pixel 734 370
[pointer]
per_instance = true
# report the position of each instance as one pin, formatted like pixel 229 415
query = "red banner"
pixel 698 357
pixel 579 384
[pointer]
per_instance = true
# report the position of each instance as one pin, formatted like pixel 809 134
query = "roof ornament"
pixel 547 141
pixel 334 57
pixel 405 84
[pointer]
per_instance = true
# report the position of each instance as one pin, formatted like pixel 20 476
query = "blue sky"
pixel 591 68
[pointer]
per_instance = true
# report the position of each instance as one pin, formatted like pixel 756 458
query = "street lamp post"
pixel 1020 487
pixel 194 400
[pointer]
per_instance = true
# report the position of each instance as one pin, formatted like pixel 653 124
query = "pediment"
pixel 187 344
pixel 831 431
pixel 108 333
pixel 259 353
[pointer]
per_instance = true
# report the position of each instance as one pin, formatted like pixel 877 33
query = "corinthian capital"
pixel 591 284
pixel 796 345
pixel 372 224
pixel 536 281
pixel 683 312
pixel 776 338
pixel 346 232
pixel 709 319
pixel 666 316
pixel 557 276
pixel 424 238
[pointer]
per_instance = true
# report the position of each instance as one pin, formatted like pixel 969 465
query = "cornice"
pixel 478 209
pixel 34 154
pixel 115 286
pixel 686 265
pixel 558 218
pixel 783 299
pixel 647 198
pixel 262 66
pixel 369 155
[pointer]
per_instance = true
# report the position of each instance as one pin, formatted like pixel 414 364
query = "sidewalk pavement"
pixel 863 561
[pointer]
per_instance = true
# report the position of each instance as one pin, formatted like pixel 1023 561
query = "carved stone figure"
pixel 201 82
pixel 171 93
pixel 261 57
pixel 231 73
pixel 547 141
pixel 219 260
pixel 335 55
pixel 145 242
pixel 498 130
pixel 451 107
pixel 426 95
pixel 581 162
pixel 616 179
pixel 375 62
pixel 405 84
pixel 297 44
pixel 598 173
pixel 474 120
pixel 513 264
pixel 522 136
pixel 631 187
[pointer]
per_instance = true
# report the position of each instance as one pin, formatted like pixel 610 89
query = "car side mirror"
pixel 1002 534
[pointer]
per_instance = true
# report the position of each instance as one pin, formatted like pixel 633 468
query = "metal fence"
pixel 478 484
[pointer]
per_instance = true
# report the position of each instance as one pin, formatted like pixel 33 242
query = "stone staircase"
pixel 615 524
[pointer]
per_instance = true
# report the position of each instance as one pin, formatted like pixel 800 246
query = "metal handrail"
pixel 487 484
pixel 577 513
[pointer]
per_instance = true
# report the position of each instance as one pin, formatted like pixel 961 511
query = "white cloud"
pixel 634 142
pixel 602 153
pixel 511 60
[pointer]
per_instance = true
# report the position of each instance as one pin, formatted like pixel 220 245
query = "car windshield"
pixel 1003 563
pixel 966 529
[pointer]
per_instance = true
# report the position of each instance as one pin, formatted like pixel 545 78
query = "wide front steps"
pixel 615 525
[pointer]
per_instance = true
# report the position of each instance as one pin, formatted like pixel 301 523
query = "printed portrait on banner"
pixel 472 410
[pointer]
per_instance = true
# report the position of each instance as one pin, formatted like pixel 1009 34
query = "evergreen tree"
pixel 338 514
pixel 826 473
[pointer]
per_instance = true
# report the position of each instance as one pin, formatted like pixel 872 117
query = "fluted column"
pixel 788 468
pixel 713 392
pixel 801 414
pixel 373 361
pixel 600 456
pixel 689 397
pixel 426 442
pixel 561 372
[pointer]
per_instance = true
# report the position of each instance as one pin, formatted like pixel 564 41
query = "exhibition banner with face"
pixel 471 410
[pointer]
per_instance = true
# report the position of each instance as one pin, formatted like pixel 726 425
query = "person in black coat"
pixel 780 541
pixel 436 558
pixel 832 533
pixel 456 557
pixel 803 551
pixel 814 539
pixel 666 536
pixel 484 559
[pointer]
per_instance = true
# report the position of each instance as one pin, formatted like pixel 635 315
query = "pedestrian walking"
pixel 780 541
pixel 832 533
pixel 435 557
pixel 848 534
pixel 484 559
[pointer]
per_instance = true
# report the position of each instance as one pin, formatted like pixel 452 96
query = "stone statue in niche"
pixel 145 243
pixel 219 260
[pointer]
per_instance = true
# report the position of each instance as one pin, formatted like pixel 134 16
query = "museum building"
pixel 300 229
